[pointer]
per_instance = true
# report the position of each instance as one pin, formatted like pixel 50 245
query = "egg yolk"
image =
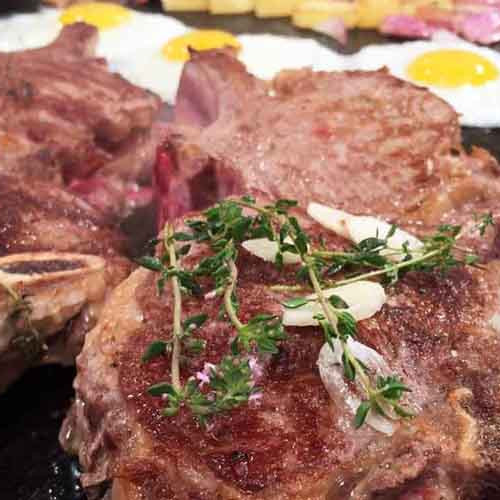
pixel 101 15
pixel 452 68
pixel 177 49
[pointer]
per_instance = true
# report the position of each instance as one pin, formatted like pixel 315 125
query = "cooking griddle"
pixel 32 465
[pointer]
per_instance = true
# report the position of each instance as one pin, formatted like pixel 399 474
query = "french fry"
pixel 311 13
pixel 274 8
pixel 185 5
pixel 231 6
pixel 373 12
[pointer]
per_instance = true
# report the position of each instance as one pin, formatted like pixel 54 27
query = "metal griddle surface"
pixel 32 465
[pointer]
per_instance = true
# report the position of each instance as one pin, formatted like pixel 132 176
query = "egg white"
pixel 265 55
pixel 146 67
pixel 28 31
pixel 477 106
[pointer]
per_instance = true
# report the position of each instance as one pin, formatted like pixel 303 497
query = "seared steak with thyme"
pixel 66 118
pixel 437 330
pixel 366 142
pixel 58 260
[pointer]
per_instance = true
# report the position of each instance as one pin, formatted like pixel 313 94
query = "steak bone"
pixel 40 293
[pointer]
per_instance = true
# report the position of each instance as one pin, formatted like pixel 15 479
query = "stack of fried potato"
pixel 311 13
pixel 304 13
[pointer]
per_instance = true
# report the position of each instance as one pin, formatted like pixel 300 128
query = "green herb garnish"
pixel 223 228
pixel 26 338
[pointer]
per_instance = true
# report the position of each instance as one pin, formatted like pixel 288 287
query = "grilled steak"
pixel 58 260
pixel 438 331
pixel 363 141
pixel 65 118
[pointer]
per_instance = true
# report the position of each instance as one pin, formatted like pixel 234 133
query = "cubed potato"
pixel 410 6
pixel 185 5
pixel 373 12
pixel 231 6
pixel 274 8
pixel 310 13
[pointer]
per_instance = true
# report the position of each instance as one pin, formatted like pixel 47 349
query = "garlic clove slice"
pixel 266 250
pixel 360 227
pixel 364 298
pixel 363 227
pixel 332 376
pixel 302 316
pixel 331 218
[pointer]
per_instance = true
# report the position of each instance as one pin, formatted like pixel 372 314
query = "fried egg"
pixel 463 74
pixel 265 55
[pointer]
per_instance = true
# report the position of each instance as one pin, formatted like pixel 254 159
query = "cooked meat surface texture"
pixel 365 142
pixel 64 117
pixel 59 259
pixel 438 331
pixel 39 216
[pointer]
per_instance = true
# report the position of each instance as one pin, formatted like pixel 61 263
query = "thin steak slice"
pixel 295 442
pixel 67 119
pixel 366 142
pixel 60 258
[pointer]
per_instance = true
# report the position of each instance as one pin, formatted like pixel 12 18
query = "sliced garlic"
pixel 331 218
pixel 332 376
pixel 364 298
pixel 360 227
pixel 363 227
pixel 267 250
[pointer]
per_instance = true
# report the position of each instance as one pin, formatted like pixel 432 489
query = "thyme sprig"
pixel 26 338
pixel 262 332
pixel 223 228
pixel 339 324
pixel 230 383
pixel 485 221
pixel 376 259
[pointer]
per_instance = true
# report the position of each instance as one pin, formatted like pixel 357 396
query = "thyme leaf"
pixel 155 349
pixel 26 339
pixel 485 221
